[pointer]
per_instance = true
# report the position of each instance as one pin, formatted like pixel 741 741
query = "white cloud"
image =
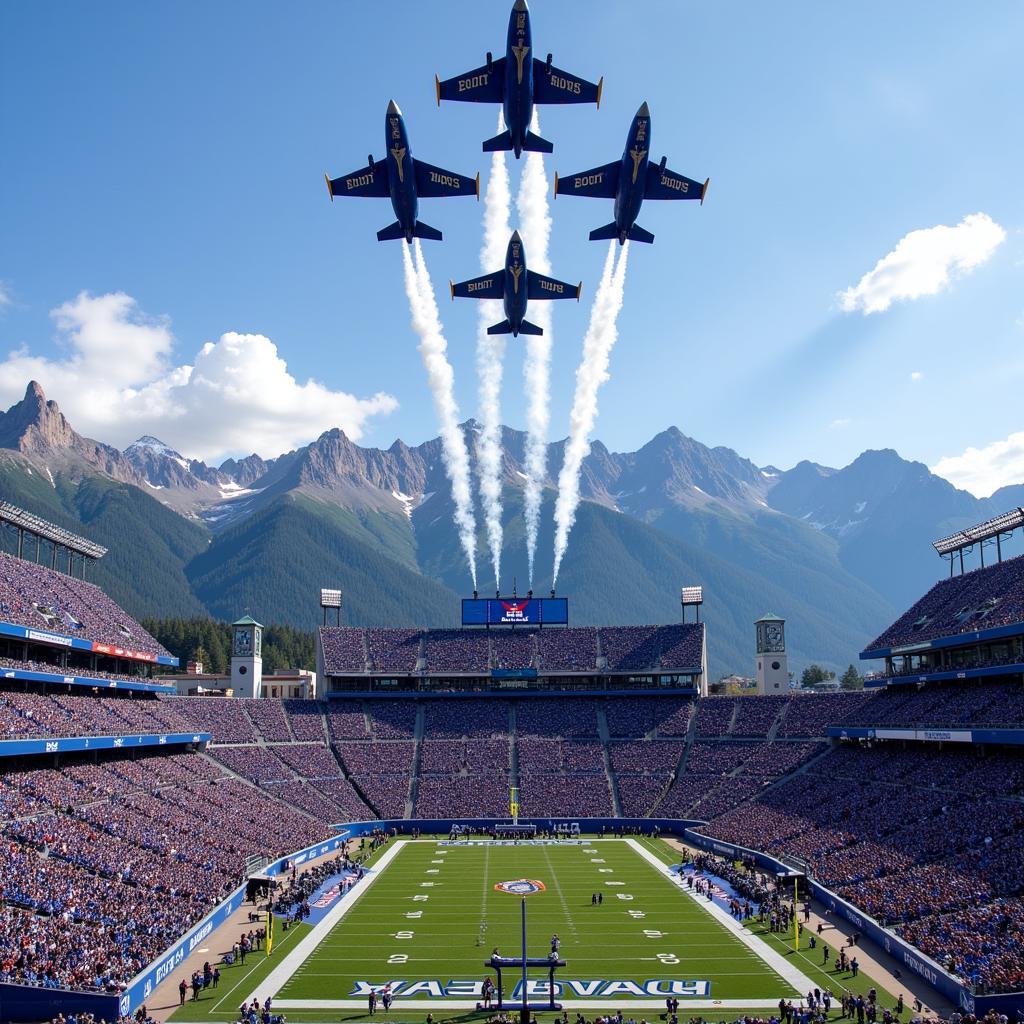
pixel 984 470
pixel 923 262
pixel 117 381
pixel 916 375
pixel 838 424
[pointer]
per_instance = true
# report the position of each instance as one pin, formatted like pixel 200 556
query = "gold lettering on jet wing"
pixel 678 184
pixel 552 286
pixel 586 180
pixel 515 271
pixel 446 179
pixel 359 182
pixel 399 155
pixel 473 82
pixel 478 286
pixel 637 155
pixel 520 52
pixel 564 83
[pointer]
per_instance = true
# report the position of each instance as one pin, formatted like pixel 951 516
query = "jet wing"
pixel 552 85
pixel 599 183
pixel 481 85
pixel 490 286
pixel 435 182
pixel 666 184
pixel 541 287
pixel 366 183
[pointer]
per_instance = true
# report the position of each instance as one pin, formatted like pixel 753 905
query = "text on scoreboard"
pixel 515 611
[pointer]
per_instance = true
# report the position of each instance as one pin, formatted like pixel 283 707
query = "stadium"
pixel 714 856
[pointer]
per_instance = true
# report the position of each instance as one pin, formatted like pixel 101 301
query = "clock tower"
pixel 247 657
pixel 772 667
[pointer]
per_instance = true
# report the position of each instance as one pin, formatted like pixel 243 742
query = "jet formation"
pixel 515 285
pixel 517 81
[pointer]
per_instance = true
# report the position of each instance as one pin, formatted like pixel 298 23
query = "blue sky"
pixel 173 154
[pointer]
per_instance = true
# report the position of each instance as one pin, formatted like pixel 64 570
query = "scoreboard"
pixel 515 611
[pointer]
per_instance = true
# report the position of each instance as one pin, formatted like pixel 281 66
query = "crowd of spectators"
pixel 40 598
pixel 981 599
pixel 923 839
pixel 102 866
pixel 350 651
pixel 26 715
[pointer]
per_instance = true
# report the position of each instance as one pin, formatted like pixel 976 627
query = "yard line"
pixel 558 889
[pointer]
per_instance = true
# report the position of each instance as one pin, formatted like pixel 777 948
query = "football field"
pixel 428 917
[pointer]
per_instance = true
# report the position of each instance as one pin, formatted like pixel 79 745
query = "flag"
pixel 270 931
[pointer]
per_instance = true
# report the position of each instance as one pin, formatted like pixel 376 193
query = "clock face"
pixel 243 643
pixel 773 636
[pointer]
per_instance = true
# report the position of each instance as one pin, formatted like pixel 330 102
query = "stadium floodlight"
pixel 330 598
pixel 691 595
pixel 1005 523
pixel 23 520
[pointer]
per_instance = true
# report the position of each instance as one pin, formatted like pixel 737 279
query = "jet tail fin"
pixel 391 232
pixel 499 143
pixel 503 328
pixel 426 231
pixel 525 327
pixel 535 144
pixel 608 231
pixel 638 234
pixel 635 233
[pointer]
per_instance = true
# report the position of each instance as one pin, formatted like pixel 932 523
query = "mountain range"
pixel 837 552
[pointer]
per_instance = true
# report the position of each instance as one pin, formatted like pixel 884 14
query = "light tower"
pixel 247 657
pixel 772 666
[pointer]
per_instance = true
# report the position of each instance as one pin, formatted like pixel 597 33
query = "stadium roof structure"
pixel 32 524
pixel 992 529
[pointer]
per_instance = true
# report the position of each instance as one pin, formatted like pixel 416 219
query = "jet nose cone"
pixel 515 236
pixel 643 111
pixel 393 108
pixel 520 5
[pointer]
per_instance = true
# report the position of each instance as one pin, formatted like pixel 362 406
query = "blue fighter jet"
pixel 518 81
pixel 515 285
pixel 404 180
pixel 629 182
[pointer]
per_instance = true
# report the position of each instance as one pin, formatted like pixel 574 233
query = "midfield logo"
pixel 521 887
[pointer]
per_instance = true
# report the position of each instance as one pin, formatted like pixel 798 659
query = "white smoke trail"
pixel 535 228
pixel 602 333
pixel 426 322
pixel 490 355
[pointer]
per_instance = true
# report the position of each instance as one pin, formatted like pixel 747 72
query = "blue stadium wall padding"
pixel 66 744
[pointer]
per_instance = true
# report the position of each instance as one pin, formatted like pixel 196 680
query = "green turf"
pixel 462 919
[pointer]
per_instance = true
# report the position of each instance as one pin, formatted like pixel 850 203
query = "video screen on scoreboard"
pixel 516 611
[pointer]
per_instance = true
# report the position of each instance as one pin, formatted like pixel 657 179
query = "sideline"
pixel 283 972
pixel 420 1005
pixel 778 963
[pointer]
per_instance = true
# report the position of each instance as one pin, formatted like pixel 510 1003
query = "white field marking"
pixel 569 1004
pixel 438 861
pixel 561 895
pixel 605 871
pixel 597 860
pixel 433 871
pixel 610 882
pixel 777 962
pixel 278 977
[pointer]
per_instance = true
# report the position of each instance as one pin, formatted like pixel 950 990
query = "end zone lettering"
pixel 591 988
